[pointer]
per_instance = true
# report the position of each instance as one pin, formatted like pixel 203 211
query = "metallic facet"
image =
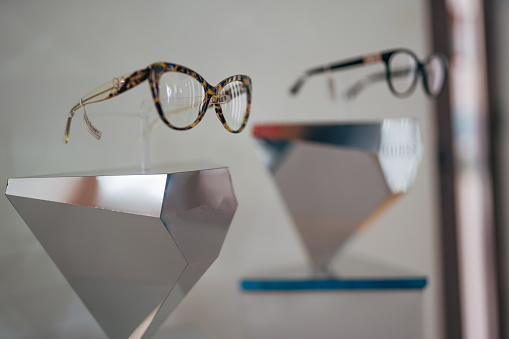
pixel 131 246
pixel 337 178
pixel 400 152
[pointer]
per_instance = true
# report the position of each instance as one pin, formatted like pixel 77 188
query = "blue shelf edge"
pixel 333 284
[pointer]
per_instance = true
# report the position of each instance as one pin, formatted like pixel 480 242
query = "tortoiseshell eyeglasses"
pixel 402 68
pixel 181 97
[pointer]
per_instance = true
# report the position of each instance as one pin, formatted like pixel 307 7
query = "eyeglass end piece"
pixel 295 88
pixel 65 138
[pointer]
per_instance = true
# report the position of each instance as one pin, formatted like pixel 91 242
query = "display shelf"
pixel 366 300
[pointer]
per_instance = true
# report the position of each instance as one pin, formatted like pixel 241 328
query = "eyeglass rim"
pixel 443 62
pixel 246 80
pixel 159 68
pixel 386 57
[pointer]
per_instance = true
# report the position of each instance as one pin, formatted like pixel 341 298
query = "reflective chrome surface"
pixel 337 178
pixel 131 246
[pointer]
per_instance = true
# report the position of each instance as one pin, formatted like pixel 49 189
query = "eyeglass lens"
pixel 402 72
pixel 234 109
pixel 435 74
pixel 181 98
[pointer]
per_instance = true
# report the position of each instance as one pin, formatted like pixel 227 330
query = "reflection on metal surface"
pixel 337 178
pixel 131 246
pixel 400 152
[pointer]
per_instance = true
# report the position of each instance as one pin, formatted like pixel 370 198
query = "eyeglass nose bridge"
pixel 220 99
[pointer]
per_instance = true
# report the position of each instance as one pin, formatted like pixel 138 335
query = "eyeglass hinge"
pixel 117 84
pixel 372 58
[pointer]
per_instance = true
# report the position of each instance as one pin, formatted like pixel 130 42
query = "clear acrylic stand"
pixel 146 108
pixel 337 93
pixel 346 102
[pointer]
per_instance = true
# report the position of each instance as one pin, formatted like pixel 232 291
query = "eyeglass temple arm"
pixel 367 59
pixel 106 91
pixel 360 85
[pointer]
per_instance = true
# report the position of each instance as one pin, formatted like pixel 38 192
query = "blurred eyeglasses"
pixel 402 70
pixel 181 97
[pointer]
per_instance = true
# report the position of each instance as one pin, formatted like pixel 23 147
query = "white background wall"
pixel 54 52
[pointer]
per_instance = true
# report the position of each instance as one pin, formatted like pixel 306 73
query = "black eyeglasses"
pixel 402 68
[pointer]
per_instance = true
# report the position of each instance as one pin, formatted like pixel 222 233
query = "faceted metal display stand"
pixel 337 178
pixel 131 246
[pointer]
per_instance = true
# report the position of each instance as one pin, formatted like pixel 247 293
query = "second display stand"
pixel 336 179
